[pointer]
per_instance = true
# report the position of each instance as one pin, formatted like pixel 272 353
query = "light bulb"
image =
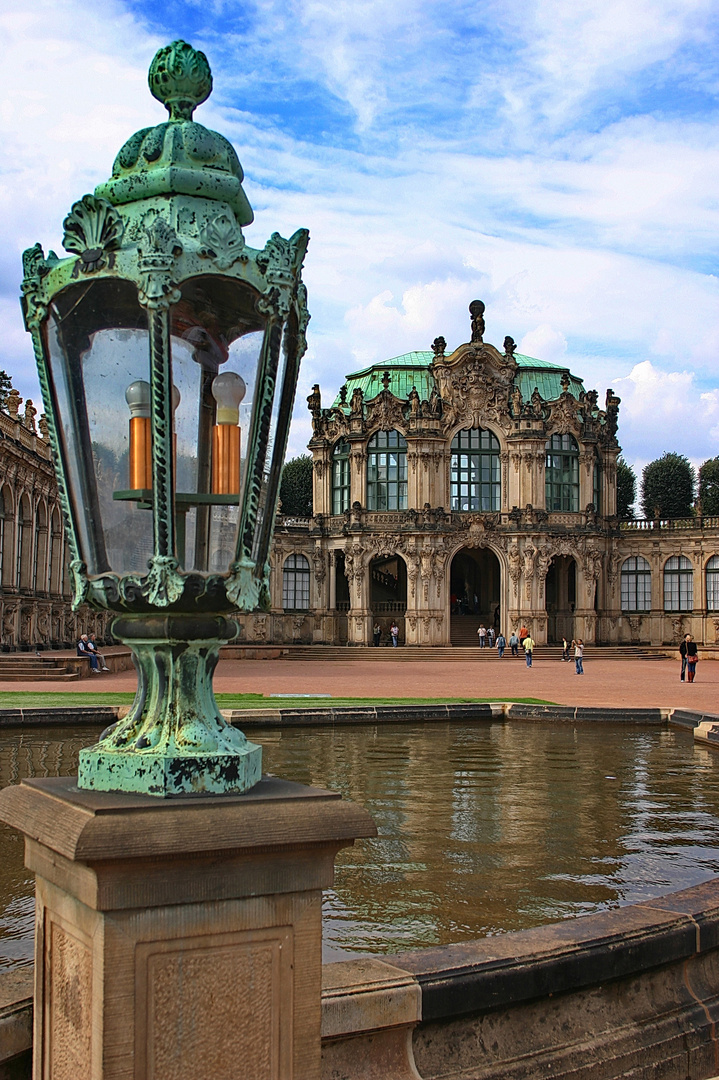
pixel 228 390
pixel 137 397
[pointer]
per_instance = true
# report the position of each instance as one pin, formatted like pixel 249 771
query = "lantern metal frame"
pixel 161 222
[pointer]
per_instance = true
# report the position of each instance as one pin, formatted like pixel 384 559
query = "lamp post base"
pixel 174 740
pixel 165 775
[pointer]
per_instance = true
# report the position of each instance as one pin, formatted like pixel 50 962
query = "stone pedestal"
pixel 181 938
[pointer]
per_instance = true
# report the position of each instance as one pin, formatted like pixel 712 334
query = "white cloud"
pixel 545 342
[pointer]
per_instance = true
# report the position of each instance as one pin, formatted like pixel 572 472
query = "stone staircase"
pixel 455 654
pixel 29 667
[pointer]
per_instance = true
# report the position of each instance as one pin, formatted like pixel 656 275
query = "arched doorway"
pixel 475 593
pixel 388 593
pixel 560 597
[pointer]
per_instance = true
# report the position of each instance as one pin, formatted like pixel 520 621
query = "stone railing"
pixel 669 524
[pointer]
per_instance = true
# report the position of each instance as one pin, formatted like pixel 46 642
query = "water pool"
pixel 484 827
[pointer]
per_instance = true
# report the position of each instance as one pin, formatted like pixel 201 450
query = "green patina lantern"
pixel 168 353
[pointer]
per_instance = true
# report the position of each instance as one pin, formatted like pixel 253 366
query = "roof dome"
pixel 179 157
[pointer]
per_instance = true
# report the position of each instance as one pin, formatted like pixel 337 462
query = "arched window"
pixel 636 584
pixel 713 584
pixel 6 508
pixel 562 473
pixel 55 552
pixel 341 477
pixel 39 570
pixel 24 545
pixel 387 471
pixel 475 482
pixel 296 583
pixel 678 584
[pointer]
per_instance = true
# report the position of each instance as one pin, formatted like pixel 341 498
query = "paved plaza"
pixel 634 683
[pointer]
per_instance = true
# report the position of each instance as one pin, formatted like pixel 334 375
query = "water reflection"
pixel 483 828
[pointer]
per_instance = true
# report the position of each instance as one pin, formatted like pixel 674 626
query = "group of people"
pixel 86 646
pixel 393 634
pixel 524 640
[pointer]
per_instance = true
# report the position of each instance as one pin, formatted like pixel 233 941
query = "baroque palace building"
pixel 35 611
pixel 453 488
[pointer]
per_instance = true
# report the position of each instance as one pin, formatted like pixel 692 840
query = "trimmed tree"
pixel 296 487
pixel 709 487
pixel 668 487
pixel 626 489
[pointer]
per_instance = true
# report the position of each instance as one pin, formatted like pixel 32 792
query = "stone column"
pixel 179 938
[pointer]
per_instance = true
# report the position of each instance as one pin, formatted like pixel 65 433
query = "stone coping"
pixel 66 715
pixel 375 993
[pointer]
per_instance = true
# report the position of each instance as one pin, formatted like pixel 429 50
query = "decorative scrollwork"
pixel 78 578
pixel 92 228
pixel 163 585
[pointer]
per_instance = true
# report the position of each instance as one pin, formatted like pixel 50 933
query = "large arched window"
pixel 23 578
pixel 387 471
pixel 475 482
pixel 296 583
pixel 341 477
pixel 55 552
pixel 713 584
pixel 562 473
pixel 39 570
pixel 636 584
pixel 6 507
pixel 678 584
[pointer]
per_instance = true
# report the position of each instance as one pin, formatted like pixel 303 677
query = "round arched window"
pixel 340 476
pixel 562 474
pixel 678 584
pixel 475 475
pixel 636 584
pixel 387 471
pixel 296 583
pixel 713 583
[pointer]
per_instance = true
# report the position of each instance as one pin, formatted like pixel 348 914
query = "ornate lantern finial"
pixel 180 78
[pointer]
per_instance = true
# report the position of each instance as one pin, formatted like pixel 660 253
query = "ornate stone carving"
pixel 93 228
pixel 530 554
pixel 476 310
pixel 158 250
pixel 221 239
pixel 384 412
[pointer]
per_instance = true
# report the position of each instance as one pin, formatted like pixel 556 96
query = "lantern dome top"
pixel 180 156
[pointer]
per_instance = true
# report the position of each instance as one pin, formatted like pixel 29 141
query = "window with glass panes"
pixel 296 583
pixel 562 474
pixel 678 584
pixel 387 471
pixel 636 584
pixel 475 482
pixel 341 477
pixel 713 583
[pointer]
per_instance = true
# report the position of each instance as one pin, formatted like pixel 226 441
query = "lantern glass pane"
pixel 98 346
pixel 215 332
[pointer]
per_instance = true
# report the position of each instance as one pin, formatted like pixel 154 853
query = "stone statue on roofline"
pixel 476 310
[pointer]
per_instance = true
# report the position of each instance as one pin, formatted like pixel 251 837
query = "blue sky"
pixel 557 159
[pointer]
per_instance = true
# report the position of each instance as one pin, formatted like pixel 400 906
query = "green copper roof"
pixel 412 369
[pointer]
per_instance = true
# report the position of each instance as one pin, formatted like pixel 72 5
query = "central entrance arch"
pixel 475 593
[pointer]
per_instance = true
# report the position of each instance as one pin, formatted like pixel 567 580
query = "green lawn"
pixel 28 699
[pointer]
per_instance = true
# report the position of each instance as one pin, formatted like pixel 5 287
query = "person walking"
pixel 501 645
pixel 394 634
pixel 565 649
pixel 377 635
pixel 528 646
pixel 83 650
pixel 523 633
pixel 578 656
pixel 482 635
pixel 692 657
pixel 490 636
pixel 514 643
pixel 683 653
